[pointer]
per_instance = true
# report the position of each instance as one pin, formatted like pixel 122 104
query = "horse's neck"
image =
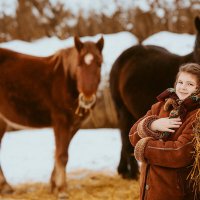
pixel 62 77
pixel 71 62
pixel 66 61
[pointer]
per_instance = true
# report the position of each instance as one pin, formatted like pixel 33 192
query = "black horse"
pixel 138 75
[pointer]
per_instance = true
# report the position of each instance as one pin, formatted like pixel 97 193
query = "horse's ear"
pixel 197 23
pixel 78 44
pixel 100 43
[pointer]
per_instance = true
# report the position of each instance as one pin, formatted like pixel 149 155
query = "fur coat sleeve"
pixel 133 134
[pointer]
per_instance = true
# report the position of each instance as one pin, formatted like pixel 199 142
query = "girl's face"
pixel 186 84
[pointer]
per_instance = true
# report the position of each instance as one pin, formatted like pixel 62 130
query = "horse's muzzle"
pixel 85 104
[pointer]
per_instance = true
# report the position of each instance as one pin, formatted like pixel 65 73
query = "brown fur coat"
pixel 165 164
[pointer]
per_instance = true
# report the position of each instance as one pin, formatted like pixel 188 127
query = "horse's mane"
pixel 57 58
pixel 67 58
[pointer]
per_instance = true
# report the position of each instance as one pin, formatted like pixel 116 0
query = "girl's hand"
pixel 166 124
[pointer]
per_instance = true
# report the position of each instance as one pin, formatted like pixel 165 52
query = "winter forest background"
pixel 33 19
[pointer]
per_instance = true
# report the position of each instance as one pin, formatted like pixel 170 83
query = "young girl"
pixel 163 139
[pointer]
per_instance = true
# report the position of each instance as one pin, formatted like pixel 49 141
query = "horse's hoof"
pixel 122 170
pixel 129 175
pixel 63 196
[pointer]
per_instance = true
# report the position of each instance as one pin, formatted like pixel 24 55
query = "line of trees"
pixel 32 21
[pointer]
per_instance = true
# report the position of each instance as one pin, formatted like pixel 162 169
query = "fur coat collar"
pixel 177 107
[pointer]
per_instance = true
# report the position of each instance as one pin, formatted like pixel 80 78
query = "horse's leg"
pixel 4 186
pixel 128 166
pixel 63 135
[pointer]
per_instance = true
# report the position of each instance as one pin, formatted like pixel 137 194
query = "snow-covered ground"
pixel 28 155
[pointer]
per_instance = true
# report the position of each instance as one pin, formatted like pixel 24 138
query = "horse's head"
pixel 88 71
pixel 197 42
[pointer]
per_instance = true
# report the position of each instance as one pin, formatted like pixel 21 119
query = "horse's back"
pixel 135 58
pixel 139 74
pixel 10 58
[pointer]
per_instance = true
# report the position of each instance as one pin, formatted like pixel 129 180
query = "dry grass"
pixel 195 172
pixel 91 186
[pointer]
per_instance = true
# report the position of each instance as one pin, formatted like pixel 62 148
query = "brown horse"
pixel 138 75
pixel 56 91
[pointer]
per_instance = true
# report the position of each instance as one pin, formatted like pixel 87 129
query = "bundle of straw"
pixel 195 172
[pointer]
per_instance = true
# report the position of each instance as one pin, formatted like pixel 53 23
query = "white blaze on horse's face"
pixel 88 58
